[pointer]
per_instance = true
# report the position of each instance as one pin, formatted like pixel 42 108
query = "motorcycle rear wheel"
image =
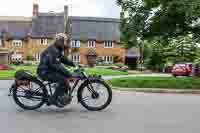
pixel 35 93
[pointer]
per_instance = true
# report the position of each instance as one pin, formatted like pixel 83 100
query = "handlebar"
pixel 78 68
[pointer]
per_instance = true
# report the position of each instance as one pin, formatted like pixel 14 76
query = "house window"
pixel 108 44
pixel 0 42
pixel 75 58
pixel 16 57
pixel 37 57
pixel 75 44
pixel 43 41
pixel 108 59
pixel 91 44
pixel 17 43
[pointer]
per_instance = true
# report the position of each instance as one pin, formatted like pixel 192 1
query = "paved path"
pixel 138 75
pixel 129 112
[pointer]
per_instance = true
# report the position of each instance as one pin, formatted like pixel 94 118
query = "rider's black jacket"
pixel 52 60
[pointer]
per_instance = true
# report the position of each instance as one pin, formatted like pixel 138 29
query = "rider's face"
pixel 60 43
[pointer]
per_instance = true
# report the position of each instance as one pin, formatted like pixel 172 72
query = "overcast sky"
pixel 99 8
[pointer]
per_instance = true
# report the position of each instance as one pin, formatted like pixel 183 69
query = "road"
pixel 129 112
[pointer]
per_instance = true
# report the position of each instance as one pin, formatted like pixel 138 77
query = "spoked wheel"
pixel 30 97
pixel 95 95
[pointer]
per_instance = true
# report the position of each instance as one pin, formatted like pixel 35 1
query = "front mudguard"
pixel 85 83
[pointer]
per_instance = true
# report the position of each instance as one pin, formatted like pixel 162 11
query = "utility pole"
pixel 140 43
pixel 67 28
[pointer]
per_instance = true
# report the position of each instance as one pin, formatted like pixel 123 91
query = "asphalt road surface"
pixel 129 112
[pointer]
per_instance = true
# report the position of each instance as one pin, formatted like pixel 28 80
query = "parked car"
pixel 168 69
pixel 4 67
pixel 182 69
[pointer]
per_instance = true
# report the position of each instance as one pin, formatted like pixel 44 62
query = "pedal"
pixel 48 102
pixel 67 100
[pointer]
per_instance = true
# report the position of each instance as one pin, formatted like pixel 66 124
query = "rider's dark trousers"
pixel 61 80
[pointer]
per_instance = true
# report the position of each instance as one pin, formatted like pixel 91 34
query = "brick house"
pixel 88 34
pixel 91 36
pixel 4 56
pixel 13 31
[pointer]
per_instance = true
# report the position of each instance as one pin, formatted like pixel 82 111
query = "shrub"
pixel 29 57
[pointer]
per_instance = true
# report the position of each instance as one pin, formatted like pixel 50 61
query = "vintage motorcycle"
pixel 30 92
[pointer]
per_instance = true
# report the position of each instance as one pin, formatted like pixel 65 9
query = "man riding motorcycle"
pixel 51 67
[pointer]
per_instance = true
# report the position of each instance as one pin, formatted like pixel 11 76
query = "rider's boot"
pixel 55 101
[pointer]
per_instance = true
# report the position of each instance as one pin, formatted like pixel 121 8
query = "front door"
pixel 131 62
pixel 3 58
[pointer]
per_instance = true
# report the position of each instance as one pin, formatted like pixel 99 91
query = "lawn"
pixel 157 82
pixel 99 71
pixel 103 71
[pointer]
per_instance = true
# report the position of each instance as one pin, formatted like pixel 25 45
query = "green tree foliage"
pixel 156 60
pixel 29 56
pixel 181 49
pixel 150 18
pixel 197 60
pixel 166 24
pixel 133 22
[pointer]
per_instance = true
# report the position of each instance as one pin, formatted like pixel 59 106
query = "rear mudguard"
pixel 14 85
pixel 85 83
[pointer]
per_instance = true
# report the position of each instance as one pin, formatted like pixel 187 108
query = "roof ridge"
pixel 15 18
pixel 104 19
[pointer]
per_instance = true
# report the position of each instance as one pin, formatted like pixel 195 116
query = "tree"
pixel 181 49
pixel 197 60
pixel 133 25
pixel 166 18
pixel 156 59
pixel 29 56
pixel 167 22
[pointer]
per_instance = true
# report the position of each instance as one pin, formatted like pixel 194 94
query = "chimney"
pixel 66 10
pixel 35 9
pixel 66 20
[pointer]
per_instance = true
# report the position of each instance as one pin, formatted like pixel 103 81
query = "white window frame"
pixel 108 59
pixel 108 44
pixel 75 44
pixel 37 56
pixel 76 58
pixel 16 57
pixel 17 43
pixel 91 44
pixel 43 41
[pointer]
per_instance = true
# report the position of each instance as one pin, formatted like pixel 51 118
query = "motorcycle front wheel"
pixel 95 95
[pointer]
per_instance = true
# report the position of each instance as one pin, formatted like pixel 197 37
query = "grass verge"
pixel 6 74
pixel 157 82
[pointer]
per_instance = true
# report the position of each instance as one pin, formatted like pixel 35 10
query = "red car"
pixel 4 67
pixel 182 69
